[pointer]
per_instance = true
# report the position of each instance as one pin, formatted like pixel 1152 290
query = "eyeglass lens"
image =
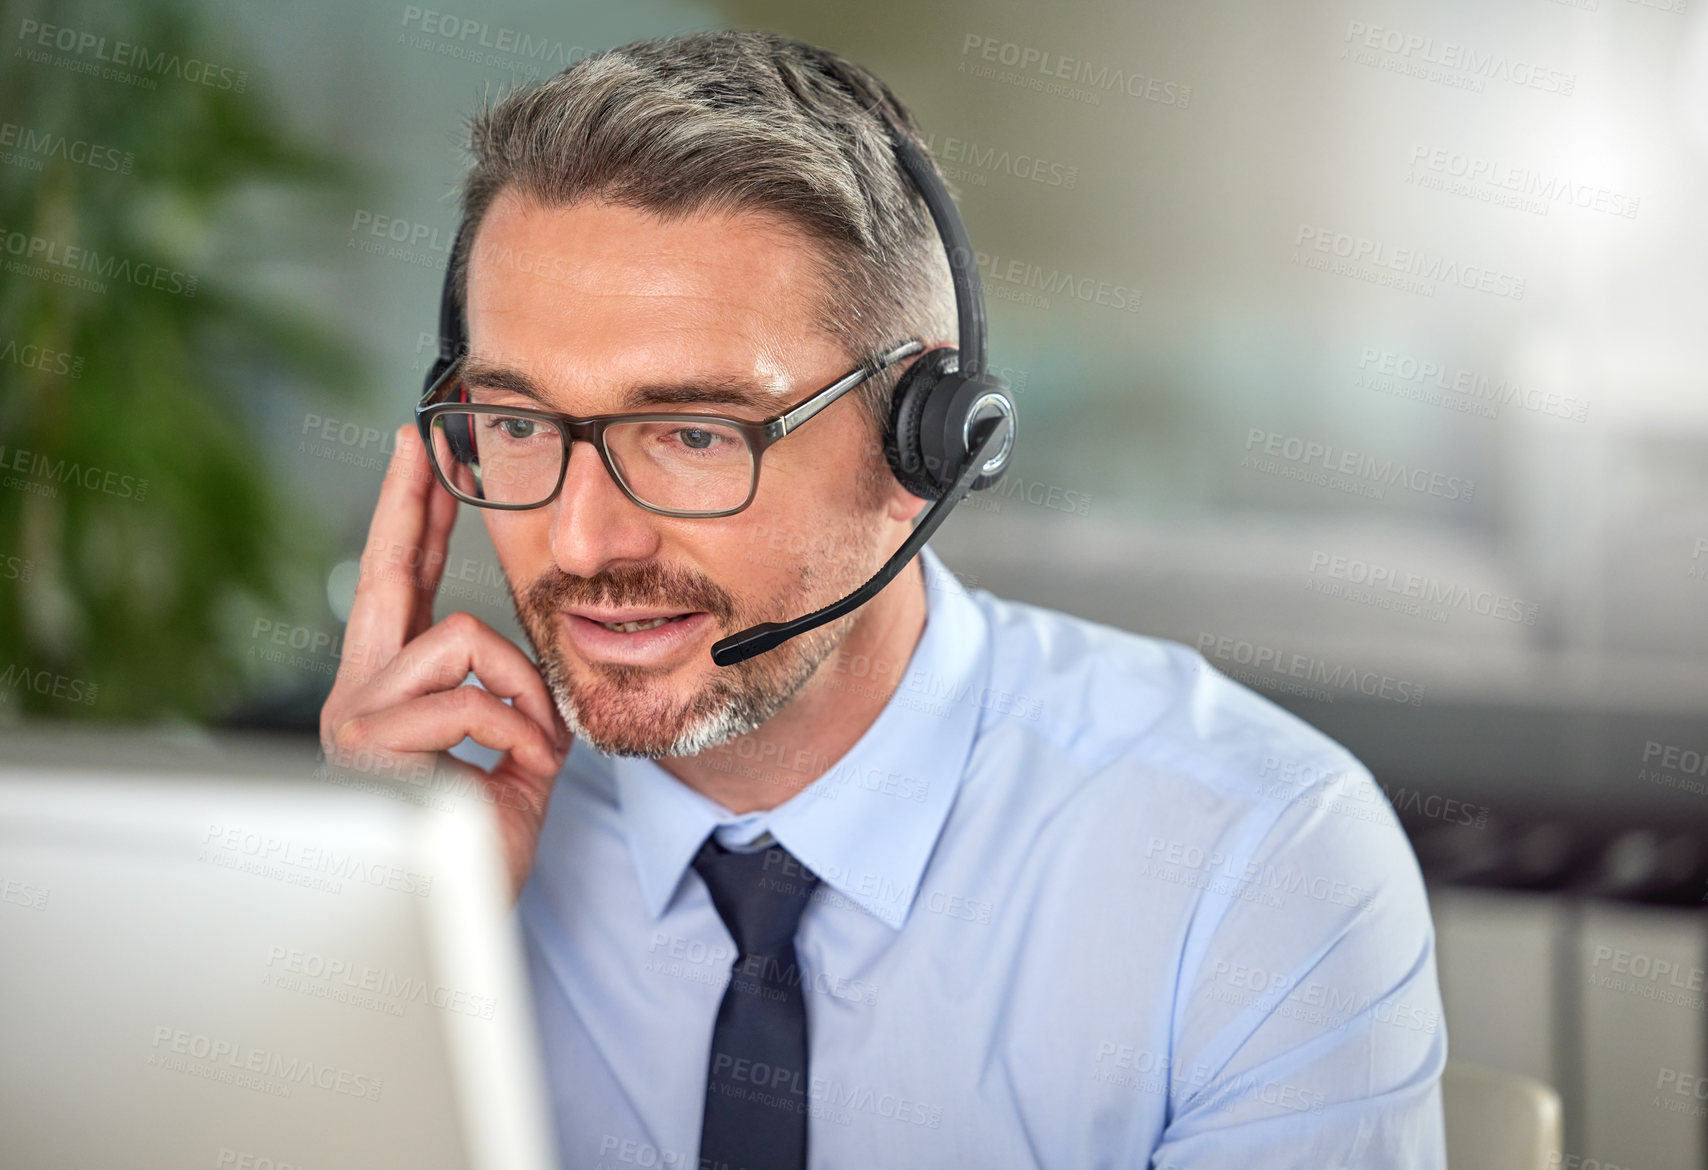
pixel 680 464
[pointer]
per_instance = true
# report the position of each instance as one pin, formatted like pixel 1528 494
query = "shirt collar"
pixel 868 825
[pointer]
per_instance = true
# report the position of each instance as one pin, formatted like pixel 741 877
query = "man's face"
pixel 593 304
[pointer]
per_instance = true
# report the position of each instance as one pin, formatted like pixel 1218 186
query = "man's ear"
pixel 880 491
pixel 903 505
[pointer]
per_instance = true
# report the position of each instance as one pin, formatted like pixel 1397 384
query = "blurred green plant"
pixel 136 511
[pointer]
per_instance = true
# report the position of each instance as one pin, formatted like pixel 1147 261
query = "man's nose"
pixel 593 522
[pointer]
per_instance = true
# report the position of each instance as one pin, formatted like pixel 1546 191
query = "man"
pixel 1019 889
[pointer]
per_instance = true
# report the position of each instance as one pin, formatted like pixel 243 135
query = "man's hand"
pixel 400 698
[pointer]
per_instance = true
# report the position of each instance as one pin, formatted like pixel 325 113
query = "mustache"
pixel 651 585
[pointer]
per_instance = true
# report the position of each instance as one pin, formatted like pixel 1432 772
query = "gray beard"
pixel 611 708
pixel 721 711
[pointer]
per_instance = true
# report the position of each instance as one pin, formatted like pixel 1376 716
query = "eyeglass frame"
pixel 591 430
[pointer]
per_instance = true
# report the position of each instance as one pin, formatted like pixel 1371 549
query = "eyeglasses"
pixel 515 457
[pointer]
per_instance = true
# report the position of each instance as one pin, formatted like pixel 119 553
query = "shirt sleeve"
pixel 1307 1029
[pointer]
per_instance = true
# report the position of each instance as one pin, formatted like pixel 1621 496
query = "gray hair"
pixel 736 121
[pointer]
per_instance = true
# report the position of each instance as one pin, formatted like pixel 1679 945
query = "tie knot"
pixel 759 895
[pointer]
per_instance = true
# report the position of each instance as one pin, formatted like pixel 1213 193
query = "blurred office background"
pixel 1362 344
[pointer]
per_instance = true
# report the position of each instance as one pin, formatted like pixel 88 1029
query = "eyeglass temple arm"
pixel 836 389
pixel 766 635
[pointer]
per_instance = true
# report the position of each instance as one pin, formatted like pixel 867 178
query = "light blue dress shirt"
pixel 1086 902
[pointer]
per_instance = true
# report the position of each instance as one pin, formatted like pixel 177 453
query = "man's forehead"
pixel 597 296
pixel 601 250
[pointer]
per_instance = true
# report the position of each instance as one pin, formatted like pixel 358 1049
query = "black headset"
pixel 951 425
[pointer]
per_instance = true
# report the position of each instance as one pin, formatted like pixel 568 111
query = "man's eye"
pixel 517 428
pixel 696 438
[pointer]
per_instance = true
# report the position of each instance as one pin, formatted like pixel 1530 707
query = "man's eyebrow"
pixel 494 377
pixel 725 390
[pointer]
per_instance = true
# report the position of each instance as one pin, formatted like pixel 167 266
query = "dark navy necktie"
pixel 756 1087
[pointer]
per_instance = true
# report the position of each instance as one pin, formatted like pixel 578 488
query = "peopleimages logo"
pixel 46 144
pixel 461 37
pixel 100 54
pixel 1374 261
pixel 402 231
pixel 1309 455
pixel 36 357
pixel 69 259
pixel 46 471
pixel 1529 188
pixel 1408 376
pixel 46 682
pixel 994 160
pixel 364 985
pixel 214 1054
pixel 1007 273
pixel 1035 68
pixel 1311 669
pixel 1448 61
pixel 1430 591
pixel 1686 760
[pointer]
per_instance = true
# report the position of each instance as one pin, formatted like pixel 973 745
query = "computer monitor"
pixel 215 956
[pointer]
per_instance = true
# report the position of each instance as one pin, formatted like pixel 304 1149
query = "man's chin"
pixel 678 707
pixel 627 711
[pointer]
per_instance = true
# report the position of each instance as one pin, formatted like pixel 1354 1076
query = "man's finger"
pixel 444 656
pixel 442 508
pixel 384 608
pixel 440 721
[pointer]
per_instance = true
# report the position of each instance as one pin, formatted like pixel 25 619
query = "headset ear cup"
pixel 461 437
pixel 902 446
pixel 459 429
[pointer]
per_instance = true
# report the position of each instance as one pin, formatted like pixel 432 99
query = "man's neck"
pixel 845 696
